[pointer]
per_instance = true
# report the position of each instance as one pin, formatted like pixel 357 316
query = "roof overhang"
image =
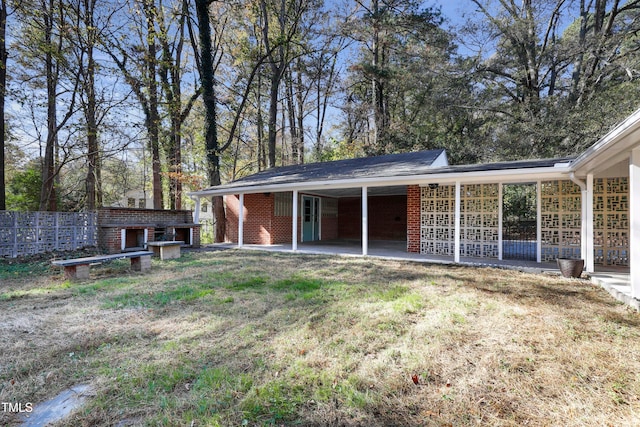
pixel 559 171
pixel 611 149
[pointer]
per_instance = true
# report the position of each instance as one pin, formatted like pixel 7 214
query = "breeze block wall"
pixel 111 220
pixel 413 219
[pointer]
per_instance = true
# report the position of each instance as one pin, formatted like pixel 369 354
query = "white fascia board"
pixel 504 175
pixel 613 142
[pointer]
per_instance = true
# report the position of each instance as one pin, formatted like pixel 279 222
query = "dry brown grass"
pixel 226 338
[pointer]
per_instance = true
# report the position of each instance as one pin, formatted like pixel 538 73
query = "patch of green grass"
pixel 275 402
pixel 392 293
pixel 253 283
pixel 408 304
pixel 15 270
pixel 186 293
pixel 14 294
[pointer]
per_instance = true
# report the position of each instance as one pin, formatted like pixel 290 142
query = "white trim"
pixel 456 238
pixel 504 175
pixel 123 237
pixel 145 237
pixel 634 217
pixel 240 220
pixel 294 214
pixel 365 220
pixel 589 255
pixel 539 221
pixel 500 219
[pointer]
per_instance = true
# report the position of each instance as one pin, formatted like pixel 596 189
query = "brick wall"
pixel 413 218
pixel 121 216
pixel 112 220
pixel 387 218
pixel 329 227
pixel 258 217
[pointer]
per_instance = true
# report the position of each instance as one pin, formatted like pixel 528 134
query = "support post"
pixel 196 214
pixel 538 221
pixel 500 207
pixel 294 233
pixel 365 224
pixel 634 227
pixel 456 238
pixel 241 220
pixel 589 253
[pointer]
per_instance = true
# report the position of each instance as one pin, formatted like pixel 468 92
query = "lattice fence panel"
pixel 26 233
pixel 611 221
pixel 437 222
pixel 561 221
pixel 479 220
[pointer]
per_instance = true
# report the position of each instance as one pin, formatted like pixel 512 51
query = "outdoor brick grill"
pixel 129 229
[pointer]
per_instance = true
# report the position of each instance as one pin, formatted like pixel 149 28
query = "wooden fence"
pixel 26 233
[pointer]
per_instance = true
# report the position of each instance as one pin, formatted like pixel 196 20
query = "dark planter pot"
pixel 570 267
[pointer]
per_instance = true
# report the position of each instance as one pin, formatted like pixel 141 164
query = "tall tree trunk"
pixel 153 118
pixel 94 196
pixel 209 98
pixel 48 189
pixel 3 83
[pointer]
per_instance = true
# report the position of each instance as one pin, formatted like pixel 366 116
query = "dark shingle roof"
pixel 365 167
pixel 387 166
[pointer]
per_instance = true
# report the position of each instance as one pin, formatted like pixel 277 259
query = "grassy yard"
pixel 237 338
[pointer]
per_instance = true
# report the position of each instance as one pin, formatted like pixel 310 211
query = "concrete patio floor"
pixel 613 280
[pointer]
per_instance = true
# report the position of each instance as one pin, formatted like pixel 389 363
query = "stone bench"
pixel 78 268
pixel 169 249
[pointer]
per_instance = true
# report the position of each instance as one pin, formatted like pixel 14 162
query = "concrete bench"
pixel 166 249
pixel 78 268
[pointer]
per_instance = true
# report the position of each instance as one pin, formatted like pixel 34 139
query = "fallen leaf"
pixel 415 379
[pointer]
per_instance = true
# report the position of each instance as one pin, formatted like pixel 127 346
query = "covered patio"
pixel 584 207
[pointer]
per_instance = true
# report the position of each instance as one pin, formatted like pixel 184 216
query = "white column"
pixel 634 227
pixel 538 221
pixel 365 225
pixel 500 206
pixel 584 195
pixel 241 220
pixel 294 233
pixel 123 239
pixel 589 254
pixel 456 238
pixel 196 214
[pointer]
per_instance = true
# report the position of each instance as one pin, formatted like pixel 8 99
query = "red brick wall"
pixel 329 228
pixel 111 220
pixel 387 218
pixel 349 218
pixel 258 218
pixel 413 218
pixel 120 216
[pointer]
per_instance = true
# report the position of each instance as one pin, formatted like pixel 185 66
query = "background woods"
pixel 102 97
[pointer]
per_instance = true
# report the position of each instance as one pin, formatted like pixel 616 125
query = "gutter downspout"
pixel 586 249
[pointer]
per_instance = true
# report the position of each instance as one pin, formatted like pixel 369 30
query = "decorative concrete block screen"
pixel 479 220
pixel 27 233
pixel 611 221
pixel 561 220
pixel 437 220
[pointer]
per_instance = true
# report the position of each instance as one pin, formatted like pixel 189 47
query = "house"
pixel 586 206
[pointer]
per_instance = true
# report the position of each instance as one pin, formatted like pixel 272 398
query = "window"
pixel 131 202
pixel 204 207
pixel 141 204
